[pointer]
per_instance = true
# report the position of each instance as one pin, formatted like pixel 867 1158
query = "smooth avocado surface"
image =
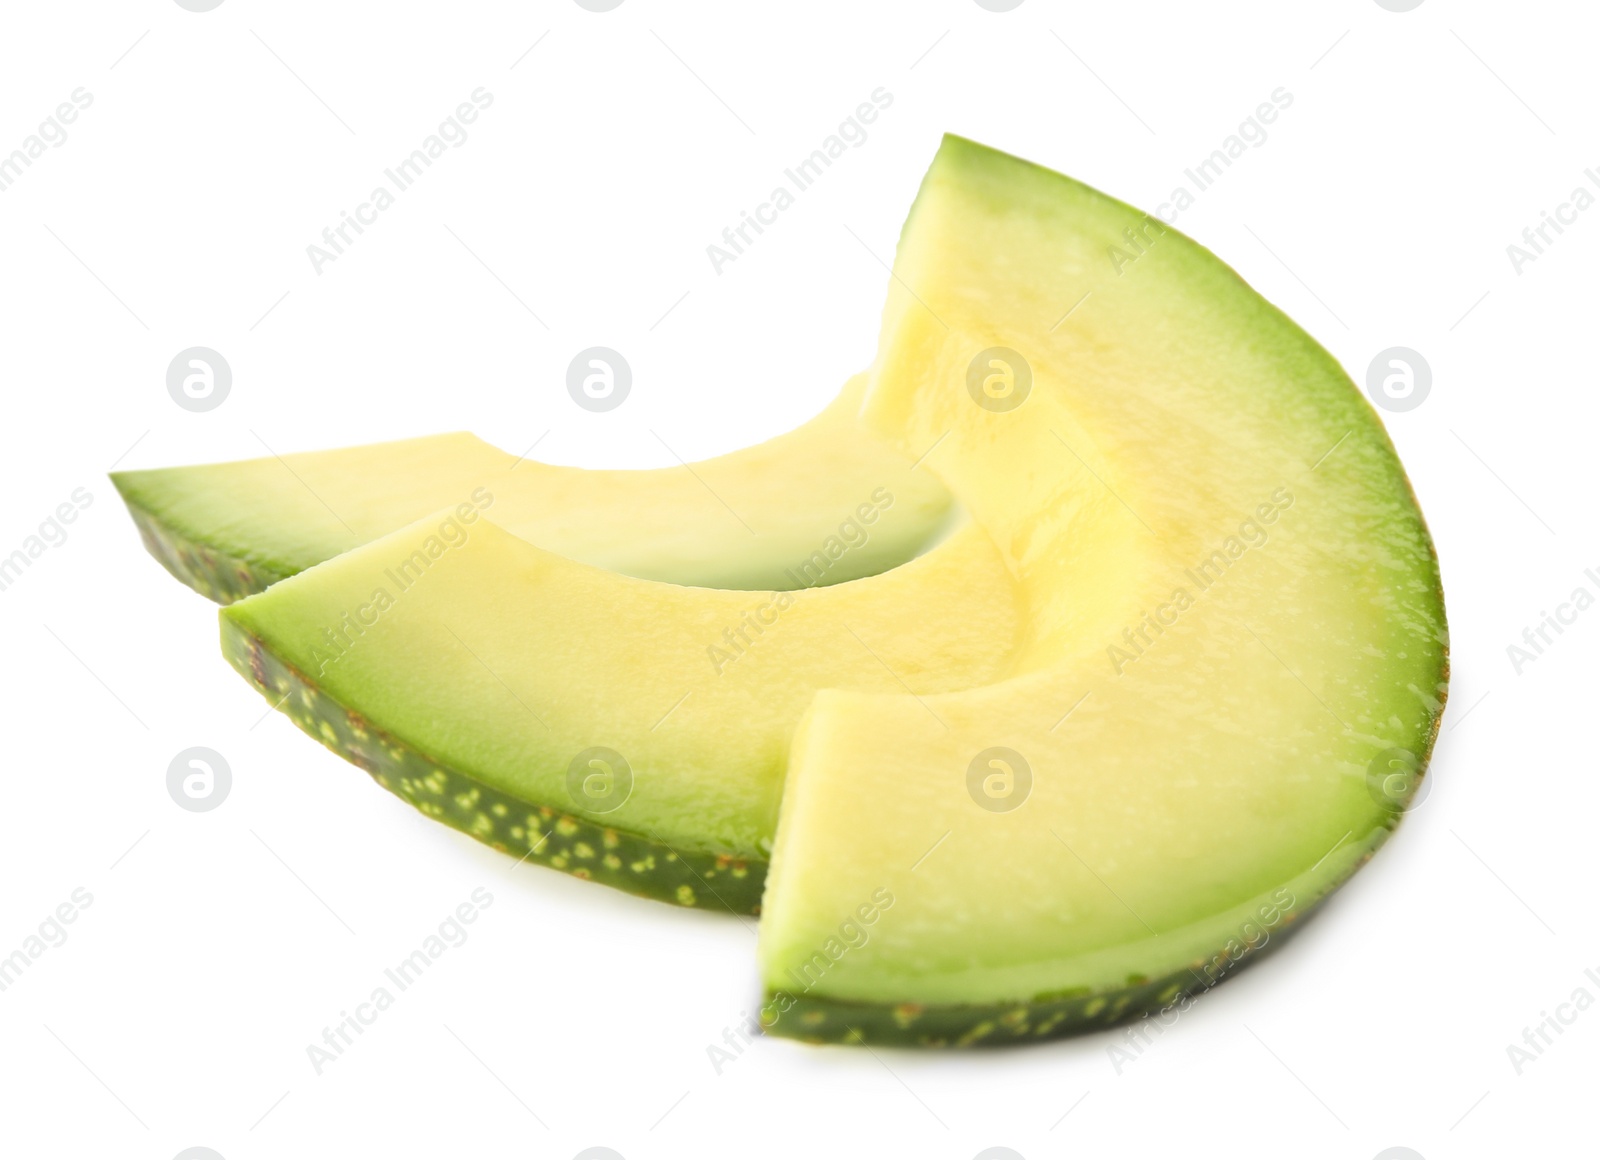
pixel 480 666
pixel 1233 624
pixel 765 517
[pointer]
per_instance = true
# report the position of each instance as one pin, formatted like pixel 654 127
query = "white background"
pixel 218 945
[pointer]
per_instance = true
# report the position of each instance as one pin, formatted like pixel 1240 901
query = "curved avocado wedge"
pixel 619 729
pixel 755 520
pixel 1233 664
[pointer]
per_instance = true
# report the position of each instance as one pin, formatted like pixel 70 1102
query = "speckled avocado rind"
pixel 816 1019
pixel 839 1021
pixel 215 575
pixel 528 831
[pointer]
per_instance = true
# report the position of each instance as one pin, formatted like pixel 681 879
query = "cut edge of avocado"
pixel 635 863
pixel 1058 1015
pixel 215 575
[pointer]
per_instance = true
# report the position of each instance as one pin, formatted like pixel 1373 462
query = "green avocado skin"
pixel 528 831
pixel 215 575
pixel 834 1021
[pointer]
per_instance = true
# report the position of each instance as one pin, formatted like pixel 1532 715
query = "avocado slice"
pixel 757 519
pixel 1234 634
pixel 625 730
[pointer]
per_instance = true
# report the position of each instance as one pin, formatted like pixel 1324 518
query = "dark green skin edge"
pixel 213 574
pixel 528 831
pixel 822 1020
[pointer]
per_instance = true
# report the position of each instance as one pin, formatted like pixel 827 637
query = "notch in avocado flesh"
pixel 755 519
pixel 619 729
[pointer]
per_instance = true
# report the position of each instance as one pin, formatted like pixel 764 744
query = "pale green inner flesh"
pixel 1211 763
pixel 756 519
pixel 504 662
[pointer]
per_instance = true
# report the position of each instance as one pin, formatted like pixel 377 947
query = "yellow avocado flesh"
pixel 756 519
pixel 496 664
pixel 1232 609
